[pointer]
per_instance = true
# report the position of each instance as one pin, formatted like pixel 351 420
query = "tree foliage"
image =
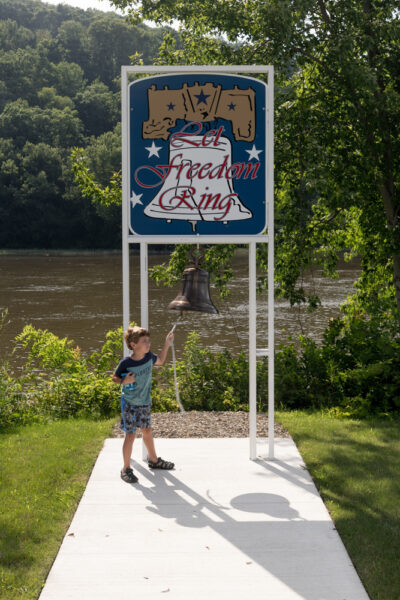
pixel 337 110
pixel 59 88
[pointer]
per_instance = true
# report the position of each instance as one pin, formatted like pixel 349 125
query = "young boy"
pixel 135 373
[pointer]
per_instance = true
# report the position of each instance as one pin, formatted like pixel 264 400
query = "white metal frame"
pixel 251 240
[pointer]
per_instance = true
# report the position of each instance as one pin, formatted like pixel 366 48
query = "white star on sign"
pixel 153 150
pixel 135 199
pixel 253 153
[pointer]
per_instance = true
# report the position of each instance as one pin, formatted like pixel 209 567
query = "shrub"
pixel 16 406
pixel 206 381
pixel 304 377
pixel 58 380
pixel 210 381
pixel 110 354
pixel 366 357
pixel 355 371
pixel 67 395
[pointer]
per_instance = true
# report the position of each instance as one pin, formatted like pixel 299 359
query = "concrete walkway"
pixel 218 527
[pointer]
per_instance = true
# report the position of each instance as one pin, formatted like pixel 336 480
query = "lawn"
pixel 356 467
pixel 44 469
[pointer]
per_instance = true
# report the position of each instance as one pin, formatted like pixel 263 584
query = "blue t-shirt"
pixel 140 393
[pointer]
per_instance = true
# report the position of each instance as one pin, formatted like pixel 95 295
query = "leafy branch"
pixel 84 179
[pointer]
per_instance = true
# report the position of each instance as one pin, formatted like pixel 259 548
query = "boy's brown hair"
pixel 133 334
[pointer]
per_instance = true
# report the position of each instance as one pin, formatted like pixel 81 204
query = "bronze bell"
pixel 195 293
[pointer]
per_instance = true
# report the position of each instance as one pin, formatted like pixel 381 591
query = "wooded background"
pixel 59 88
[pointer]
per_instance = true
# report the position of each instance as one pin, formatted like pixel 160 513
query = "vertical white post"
pixel 125 202
pixel 271 290
pixel 252 352
pixel 144 306
pixel 144 286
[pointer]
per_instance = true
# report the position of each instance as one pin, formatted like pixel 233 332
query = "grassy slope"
pixel 43 473
pixel 355 464
pixel 356 467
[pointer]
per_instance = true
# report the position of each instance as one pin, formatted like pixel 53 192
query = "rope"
pixel 174 364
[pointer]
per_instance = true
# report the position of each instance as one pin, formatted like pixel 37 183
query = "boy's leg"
pixel 128 424
pixel 149 442
pixel 127 449
pixel 155 462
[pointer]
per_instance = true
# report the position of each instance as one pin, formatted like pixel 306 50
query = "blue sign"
pixel 197 155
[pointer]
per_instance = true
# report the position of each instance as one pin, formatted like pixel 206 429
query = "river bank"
pixel 79 296
pixel 134 249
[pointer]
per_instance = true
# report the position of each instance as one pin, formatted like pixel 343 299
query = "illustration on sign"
pixel 197 155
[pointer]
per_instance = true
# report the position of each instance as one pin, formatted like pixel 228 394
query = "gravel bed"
pixel 210 424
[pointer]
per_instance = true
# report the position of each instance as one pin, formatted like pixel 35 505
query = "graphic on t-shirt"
pixel 138 393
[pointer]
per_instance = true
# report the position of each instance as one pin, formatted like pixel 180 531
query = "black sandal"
pixel 128 475
pixel 160 463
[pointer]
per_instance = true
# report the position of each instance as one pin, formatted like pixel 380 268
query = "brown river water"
pixel 80 296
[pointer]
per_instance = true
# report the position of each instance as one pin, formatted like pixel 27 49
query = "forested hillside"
pixel 59 88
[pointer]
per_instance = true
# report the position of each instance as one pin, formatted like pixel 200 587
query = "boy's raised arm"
pixel 163 354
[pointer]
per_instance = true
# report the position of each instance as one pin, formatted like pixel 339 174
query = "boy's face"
pixel 142 346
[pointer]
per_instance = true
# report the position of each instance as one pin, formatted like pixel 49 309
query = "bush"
pixel 212 381
pixel 304 377
pixel 354 372
pixel 77 395
pixel 16 406
pixel 58 381
pixel 356 369
pixel 206 381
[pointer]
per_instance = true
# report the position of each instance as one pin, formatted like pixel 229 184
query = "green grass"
pixel 356 467
pixel 44 469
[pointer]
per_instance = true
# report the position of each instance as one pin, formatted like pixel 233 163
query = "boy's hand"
pixel 163 354
pixel 129 378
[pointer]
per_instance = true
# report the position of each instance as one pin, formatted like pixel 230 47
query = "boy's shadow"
pixel 172 499
pixel 277 529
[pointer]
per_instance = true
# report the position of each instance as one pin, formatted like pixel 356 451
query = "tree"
pixel 51 125
pixel 51 99
pixel 98 108
pixel 9 181
pixel 48 98
pixel 68 78
pixel 13 37
pixel 73 43
pixel 96 170
pixel 111 43
pixel 32 178
pixel 337 124
pixel 104 155
pixel 23 71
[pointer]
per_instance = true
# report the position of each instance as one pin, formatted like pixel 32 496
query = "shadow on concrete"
pixel 296 551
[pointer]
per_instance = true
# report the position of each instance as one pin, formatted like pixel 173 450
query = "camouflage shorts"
pixel 134 416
